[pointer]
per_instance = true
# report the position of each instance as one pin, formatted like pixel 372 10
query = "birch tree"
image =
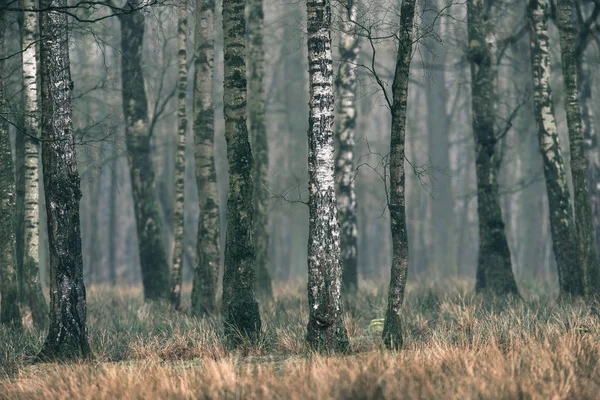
pixel 206 271
pixel 326 330
pixel 153 255
pixel 67 337
pixel 10 314
pixel 559 198
pixel 32 286
pixel 392 327
pixel 494 269
pixel 345 137
pixel 182 123
pixel 588 260
pixel 240 309
pixel 260 144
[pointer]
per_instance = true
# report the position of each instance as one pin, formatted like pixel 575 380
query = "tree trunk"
pixel 67 337
pixel 32 287
pixel 10 314
pixel 326 330
pixel 240 309
pixel 182 123
pixel 153 255
pixel 112 223
pixel 559 199
pixel 206 271
pixel 345 136
pixel 392 328
pixel 494 269
pixel 260 145
pixel 588 260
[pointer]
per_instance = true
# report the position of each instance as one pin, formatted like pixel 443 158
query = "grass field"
pixel 457 346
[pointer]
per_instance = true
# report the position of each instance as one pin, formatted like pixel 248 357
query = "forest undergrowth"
pixel 457 345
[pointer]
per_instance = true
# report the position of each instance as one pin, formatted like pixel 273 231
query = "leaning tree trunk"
pixel 67 337
pixel 260 144
pixel 392 327
pixel 494 269
pixel 206 271
pixel 344 164
pixel 153 255
pixel 10 314
pixel 326 330
pixel 559 198
pixel 588 260
pixel 240 309
pixel 182 123
pixel 32 286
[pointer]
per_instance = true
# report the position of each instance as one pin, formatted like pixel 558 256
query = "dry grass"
pixel 458 346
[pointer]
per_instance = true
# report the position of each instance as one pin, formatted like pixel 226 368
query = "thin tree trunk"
pixel 392 328
pixel 559 199
pixel 10 315
pixel 153 255
pixel 345 137
pixel 260 144
pixel 494 269
pixel 112 223
pixel 240 309
pixel 31 213
pixel 182 123
pixel 206 271
pixel 67 337
pixel 588 260
pixel 326 330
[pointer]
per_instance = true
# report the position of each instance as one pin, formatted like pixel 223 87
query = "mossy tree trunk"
pixel 182 122
pixel 10 314
pixel 67 337
pixel 392 327
pixel 260 144
pixel 494 269
pixel 206 271
pixel 153 255
pixel 240 309
pixel 559 198
pixel 345 172
pixel 326 330
pixel 584 227
pixel 32 286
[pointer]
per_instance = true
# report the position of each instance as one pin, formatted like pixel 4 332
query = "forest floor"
pixel 458 345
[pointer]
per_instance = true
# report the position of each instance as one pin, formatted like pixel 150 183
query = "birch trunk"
pixel 67 337
pixel 494 269
pixel 559 198
pixel 345 136
pixel 182 123
pixel 260 144
pixel 326 330
pixel 153 255
pixel 240 309
pixel 588 260
pixel 206 271
pixel 32 286
pixel 392 328
pixel 10 315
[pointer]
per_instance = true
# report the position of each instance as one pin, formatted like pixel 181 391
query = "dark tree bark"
pixel 153 255
pixel 206 272
pixel 584 227
pixel 240 309
pixel 392 328
pixel 67 337
pixel 494 269
pixel 559 199
pixel 326 330
pixel 345 137
pixel 10 314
